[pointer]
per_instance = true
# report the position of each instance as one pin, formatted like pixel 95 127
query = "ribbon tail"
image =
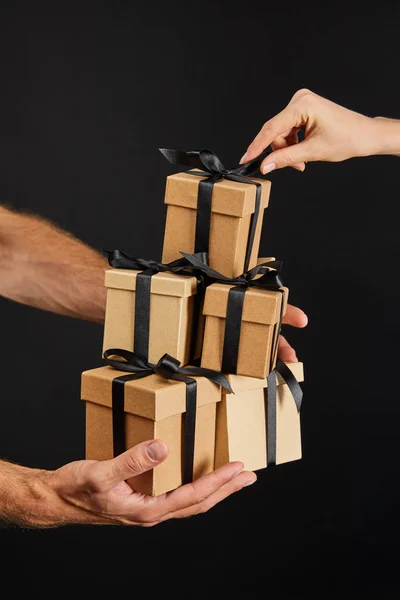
pixel 291 381
pixel 214 376
pixel 178 157
pixel 270 418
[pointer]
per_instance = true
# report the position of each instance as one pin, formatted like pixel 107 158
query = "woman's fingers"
pixel 270 131
pixel 286 140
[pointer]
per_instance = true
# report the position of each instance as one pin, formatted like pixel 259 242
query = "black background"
pixel 88 92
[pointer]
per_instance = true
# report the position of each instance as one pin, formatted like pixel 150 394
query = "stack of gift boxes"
pixel 219 324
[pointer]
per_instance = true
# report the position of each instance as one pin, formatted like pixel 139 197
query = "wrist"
pixel 386 134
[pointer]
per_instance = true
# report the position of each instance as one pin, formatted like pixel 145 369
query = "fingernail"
pixel 268 168
pixel 155 451
pixel 250 481
pixel 244 157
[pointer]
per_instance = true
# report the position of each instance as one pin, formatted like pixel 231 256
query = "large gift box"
pixel 122 411
pixel 228 222
pixel 152 315
pixel 244 341
pixel 242 423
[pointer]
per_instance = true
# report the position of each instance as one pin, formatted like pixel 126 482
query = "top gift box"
pixel 214 210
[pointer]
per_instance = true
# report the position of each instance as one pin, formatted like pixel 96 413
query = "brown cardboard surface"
pixel 167 425
pixel 166 284
pixel 261 310
pixel 241 429
pixel 260 306
pixel 229 197
pixel 171 309
pixel 152 397
pixel 232 207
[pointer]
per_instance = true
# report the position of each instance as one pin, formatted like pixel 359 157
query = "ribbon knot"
pixel 210 162
pixel 212 168
pixel 167 366
pixel 265 275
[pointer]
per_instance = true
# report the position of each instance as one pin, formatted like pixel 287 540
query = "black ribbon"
pixel 120 260
pixel 270 404
pixel 214 170
pixel 169 368
pixel 265 276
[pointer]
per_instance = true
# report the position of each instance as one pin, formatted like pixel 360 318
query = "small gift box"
pixel 153 313
pixel 250 430
pixel 242 329
pixel 215 211
pixel 123 410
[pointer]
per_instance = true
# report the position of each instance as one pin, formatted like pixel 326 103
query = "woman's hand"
pixel 331 133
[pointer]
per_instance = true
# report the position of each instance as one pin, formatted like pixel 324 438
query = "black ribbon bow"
pixel 265 276
pixel 169 368
pixel 211 165
pixel 120 260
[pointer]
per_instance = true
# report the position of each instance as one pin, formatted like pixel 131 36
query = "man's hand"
pixel 331 133
pixel 296 318
pixel 96 492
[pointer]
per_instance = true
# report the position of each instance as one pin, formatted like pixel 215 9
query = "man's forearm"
pixel 23 497
pixel 28 499
pixel 47 268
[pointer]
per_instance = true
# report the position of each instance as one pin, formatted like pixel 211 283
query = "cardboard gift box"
pixel 172 304
pixel 154 408
pixel 232 208
pixel 242 424
pixel 259 329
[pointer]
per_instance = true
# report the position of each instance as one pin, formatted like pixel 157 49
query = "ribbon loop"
pixel 265 275
pixel 211 162
pixel 167 366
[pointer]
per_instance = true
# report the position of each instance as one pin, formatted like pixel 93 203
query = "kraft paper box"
pixel 154 408
pixel 171 314
pixel 241 422
pixel 258 333
pixel 232 208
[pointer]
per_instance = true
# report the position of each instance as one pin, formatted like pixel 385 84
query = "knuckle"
pixel 286 160
pixel 203 508
pixel 94 483
pixel 268 129
pixel 303 92
pixel 196 496
pixel 135 463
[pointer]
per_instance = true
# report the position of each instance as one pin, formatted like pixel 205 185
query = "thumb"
pixel 288 157
pixel 136 460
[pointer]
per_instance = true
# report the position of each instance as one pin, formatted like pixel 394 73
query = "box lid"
pixel 233 198
pixel 260 306
pixel 166 284
pixel 239 383
pixel 152 397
